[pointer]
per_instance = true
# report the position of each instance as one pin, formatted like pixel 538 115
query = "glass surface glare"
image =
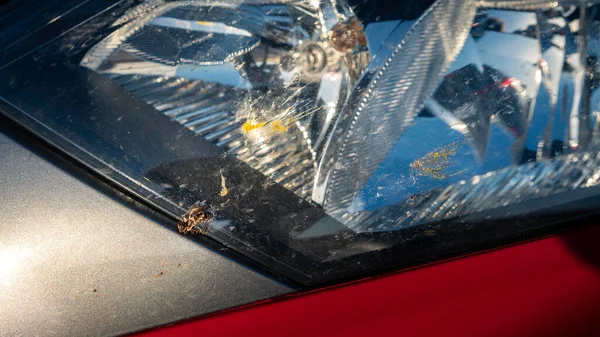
pixel 314 136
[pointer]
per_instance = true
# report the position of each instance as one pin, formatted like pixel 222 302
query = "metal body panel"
pixel 78 259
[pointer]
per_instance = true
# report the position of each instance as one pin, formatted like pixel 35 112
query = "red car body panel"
pixel 547 287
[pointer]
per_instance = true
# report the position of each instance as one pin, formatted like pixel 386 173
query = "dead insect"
pixel 194 220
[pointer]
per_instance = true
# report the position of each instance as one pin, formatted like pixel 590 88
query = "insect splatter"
pixel 279 126
pixel 224 189
pixel 276 125
pixel 436 163
pixel 251 125
pixel 275 117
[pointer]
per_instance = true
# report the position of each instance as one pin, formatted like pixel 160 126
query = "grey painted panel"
pixel 75 259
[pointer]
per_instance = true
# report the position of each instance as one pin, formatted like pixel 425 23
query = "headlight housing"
pixel 315 139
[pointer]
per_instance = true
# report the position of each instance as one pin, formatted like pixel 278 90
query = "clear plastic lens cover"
pixel 314 139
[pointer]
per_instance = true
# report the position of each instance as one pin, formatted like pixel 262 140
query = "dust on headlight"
pixel 473 106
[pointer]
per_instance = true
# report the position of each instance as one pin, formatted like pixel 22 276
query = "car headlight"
pixel 473 107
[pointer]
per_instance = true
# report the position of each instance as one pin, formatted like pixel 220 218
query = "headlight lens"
pixel 375 127
pixel 263 82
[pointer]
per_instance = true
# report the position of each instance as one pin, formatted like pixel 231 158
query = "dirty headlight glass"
pixel 265 83
pixel 312 137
